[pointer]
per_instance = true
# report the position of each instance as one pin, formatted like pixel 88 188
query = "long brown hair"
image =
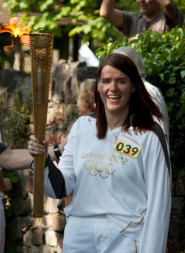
pixel 141 104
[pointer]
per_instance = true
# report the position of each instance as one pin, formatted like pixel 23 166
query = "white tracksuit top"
pixel 128 181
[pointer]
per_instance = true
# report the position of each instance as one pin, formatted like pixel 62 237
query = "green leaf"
pixel 10 175
pixel 182 109
pixel 183 96
pixel 182 73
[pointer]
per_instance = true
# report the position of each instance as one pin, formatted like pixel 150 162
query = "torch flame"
pixel 16 30
pixel 7 48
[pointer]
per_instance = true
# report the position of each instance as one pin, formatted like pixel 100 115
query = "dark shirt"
pixel 2 147
pixel 135 24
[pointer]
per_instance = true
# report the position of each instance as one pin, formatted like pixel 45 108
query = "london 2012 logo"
pixel 100 168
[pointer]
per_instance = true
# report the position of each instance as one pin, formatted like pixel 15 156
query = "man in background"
pixel 156 15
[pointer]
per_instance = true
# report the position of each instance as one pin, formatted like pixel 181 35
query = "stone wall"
pixel 25 233
pixel 31 235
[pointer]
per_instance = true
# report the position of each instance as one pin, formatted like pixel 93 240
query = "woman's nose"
pixel 113 85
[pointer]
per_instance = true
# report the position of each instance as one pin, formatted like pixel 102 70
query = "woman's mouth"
pixel 113 96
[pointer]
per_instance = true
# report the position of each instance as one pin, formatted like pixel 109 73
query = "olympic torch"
pixel 41 48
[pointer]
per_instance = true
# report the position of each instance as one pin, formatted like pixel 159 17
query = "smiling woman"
pixel 120 189
pixel 131 96
pixel 115 90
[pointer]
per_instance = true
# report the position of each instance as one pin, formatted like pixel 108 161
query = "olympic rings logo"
pixel 100 168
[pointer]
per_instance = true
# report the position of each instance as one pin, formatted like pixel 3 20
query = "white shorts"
pixel 95 235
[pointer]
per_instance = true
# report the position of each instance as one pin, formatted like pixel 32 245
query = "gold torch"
pixel 41 48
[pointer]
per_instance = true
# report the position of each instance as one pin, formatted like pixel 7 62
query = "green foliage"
pixel 164 58
pixel 10 175
pixel 92 26
pixel 13 179
pixel 111 44
pixel 85 12
pixel 17 124
pixel 180 4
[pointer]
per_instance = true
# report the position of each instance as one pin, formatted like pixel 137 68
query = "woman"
pixel 116 168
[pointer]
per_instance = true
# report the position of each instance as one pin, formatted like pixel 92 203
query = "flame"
pixel 7 48
pixel 16 30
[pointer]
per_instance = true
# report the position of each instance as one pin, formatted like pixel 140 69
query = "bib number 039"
pixel 127 149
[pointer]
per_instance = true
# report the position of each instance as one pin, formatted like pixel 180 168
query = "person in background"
pixel 19 159
pixel 156 15
pixel 85 102
pixel 14 159
pixel 153 90
pixel 116 168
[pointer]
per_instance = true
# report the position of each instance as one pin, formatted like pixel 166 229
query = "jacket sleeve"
pixel 66 164
pixel 158 191
pixel 54 183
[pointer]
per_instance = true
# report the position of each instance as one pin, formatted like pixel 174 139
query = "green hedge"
pixel 164 58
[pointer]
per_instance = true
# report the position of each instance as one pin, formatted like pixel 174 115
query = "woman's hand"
pixel 34 148
pixel 54 139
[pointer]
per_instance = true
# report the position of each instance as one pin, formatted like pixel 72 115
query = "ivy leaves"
pixel 50 12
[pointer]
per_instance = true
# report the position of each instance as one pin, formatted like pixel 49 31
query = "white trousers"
pixel 95 235
pixel 2 231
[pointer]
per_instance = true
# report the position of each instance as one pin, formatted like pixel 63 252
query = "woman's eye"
pixel 121 81
pixel 104 81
